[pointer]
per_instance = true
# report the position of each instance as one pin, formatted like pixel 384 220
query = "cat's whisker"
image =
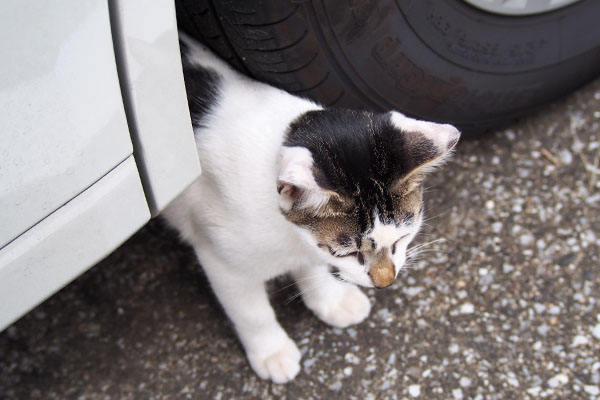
pixel 437 215
pixel 407 267
pixel 304 291
pixel 296 282
pixel 424 234
pixel 429 190
pixel 294 297
pixel 284 287
pixel 418 256
pixel 432 185
pixel 428 243
pixel 310 288
pixel 419 246
pixel 306 278
pixel 419 251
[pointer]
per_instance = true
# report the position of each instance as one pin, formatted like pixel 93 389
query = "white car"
pixel 96 136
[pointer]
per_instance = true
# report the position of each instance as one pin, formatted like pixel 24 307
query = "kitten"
pixel 332 197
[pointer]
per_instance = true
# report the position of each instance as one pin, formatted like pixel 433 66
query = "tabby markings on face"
pixel 353 180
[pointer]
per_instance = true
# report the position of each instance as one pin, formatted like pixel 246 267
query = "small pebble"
pixel 596 331
pixel 591 389
pixel 554 310
pixel 579 340
pixel 351 358
pixel 457 394
pixel 558 380
pixel 539 308
pixel 497 227
pixel 514 382
pixel 543 329
pixel 526 239
pixel 453 349
pixel 506 268
pixel 534 391
pixel 414 390
pixel 565 157
pixel 467 308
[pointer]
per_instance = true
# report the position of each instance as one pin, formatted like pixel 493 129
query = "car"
pixel 96 136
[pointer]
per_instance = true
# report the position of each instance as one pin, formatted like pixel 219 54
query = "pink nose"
pixel 382 276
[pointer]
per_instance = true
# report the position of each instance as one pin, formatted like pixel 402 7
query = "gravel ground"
pixel 505 306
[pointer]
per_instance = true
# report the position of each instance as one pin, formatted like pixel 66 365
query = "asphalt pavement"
pixel 504 303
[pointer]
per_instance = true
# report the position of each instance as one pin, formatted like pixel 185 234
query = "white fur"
pixel 295 168
pixel 385 235
pixel 231 216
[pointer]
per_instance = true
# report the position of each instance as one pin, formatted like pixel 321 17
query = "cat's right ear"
pixel 426 144
pixel 296 183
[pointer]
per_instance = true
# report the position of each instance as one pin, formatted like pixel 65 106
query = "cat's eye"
pixel 396 242
pixel 356 254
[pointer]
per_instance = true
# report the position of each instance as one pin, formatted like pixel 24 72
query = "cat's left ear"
pixel 426 144
pixel 296 182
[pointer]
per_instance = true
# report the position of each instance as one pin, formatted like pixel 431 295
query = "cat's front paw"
pixel 351 307
pixel 279 364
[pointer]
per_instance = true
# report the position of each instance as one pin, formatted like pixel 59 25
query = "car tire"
pixel 442 60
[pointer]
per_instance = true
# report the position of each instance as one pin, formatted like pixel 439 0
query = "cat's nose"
pixel 382 273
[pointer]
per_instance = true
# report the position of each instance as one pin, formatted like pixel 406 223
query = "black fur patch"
pixel 360 155
pixel 202 87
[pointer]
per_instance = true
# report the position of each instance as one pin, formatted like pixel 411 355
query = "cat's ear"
pixel 296 183
pixel 426 145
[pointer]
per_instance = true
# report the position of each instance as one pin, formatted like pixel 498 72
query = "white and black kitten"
pixel 288 187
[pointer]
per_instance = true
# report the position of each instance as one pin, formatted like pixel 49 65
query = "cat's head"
pixel 351 182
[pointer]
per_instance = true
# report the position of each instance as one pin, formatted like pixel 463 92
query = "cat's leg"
pixel 337 303
pixel 271 353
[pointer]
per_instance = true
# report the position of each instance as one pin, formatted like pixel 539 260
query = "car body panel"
pixel 149 64
pixel 73 187
pixel 63 124
pixel 70 240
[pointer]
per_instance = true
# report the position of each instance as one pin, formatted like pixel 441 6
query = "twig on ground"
pixel 551 157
